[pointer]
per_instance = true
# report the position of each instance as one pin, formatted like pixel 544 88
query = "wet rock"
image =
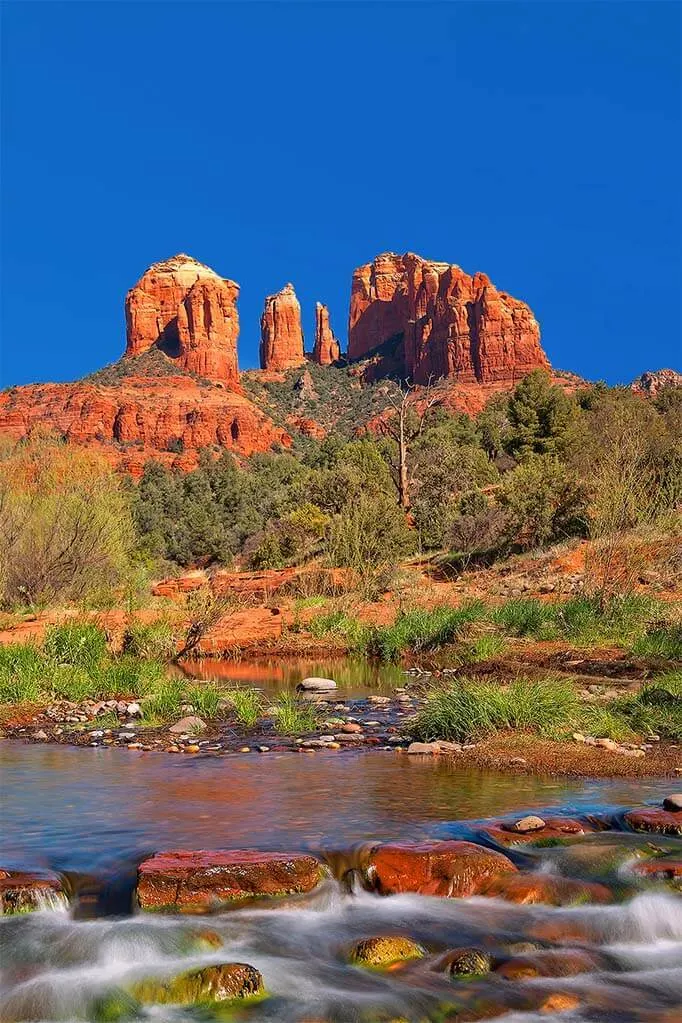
pixel 114 1007
pixel 660 822
pixel 314 684
pixel 198 881
pixel 225 982
pixel 549 963
pixel 673 803
pixel 468 962
pixel 559 1001
pixel 22 892
pixel 549 889
pixel 384 950
pixel 201 939
pixel 527 824
pixel 351 728
pixel 134 710
pixel 451 869
pixel 187 725
pixel 661 868
pixel 423 747
pixel 554 829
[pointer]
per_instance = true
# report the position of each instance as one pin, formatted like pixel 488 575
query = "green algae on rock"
pixel 225 982
pixel 385 950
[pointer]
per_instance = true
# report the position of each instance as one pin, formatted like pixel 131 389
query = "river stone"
pixel 384 950
pixel 526 824
pixel 468 962
pixel 416 748
pixel 199 881
pixel 188 724
pixel 661 822
pixel 673 803
pixel 453 869
pixel 225 982
pixel 315 684
pixel 25 893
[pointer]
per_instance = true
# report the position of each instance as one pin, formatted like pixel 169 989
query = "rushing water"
pixel 97 812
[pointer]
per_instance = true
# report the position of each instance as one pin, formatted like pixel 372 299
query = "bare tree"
pixel 404 428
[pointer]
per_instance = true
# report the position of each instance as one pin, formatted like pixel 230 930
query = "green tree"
pixel 542 419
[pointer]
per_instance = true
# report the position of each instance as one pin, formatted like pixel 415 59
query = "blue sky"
pixel 539 142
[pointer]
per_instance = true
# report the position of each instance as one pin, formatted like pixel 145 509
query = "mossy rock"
pixel 200 939
pixel 115 1006
pixel 384 950
pixel 466 963
pixel 225 982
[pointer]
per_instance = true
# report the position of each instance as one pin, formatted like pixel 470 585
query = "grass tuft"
pixel 293 717
pixel 247 705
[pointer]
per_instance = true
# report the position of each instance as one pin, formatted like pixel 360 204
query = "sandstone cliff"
pixel 653 382
pixel 281 345
pixel 433 320
pixel 327 349
pixel 190 313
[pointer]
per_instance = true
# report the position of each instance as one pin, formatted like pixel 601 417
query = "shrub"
pixel 369 537
pixel 153 641
pixel 545 502
pixel 422 629
pixel 81 644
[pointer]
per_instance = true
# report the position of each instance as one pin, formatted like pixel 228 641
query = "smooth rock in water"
pixel 548 889
pixel 453 869
pixel 423 747
pixel 468 962
pixel 314 684
pixel 205 879
pixel 351 728
pixel 673 803
pixel 526 824
pixel 225 982
pixel 385 950
pixel 188 724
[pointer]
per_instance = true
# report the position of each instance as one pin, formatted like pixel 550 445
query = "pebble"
pixel 188 724
pixel 245 749
pixel 526 824
pixel 673 802
pixel 40 735
pixel 192 748
pixel 134 745
pixel 134 710
pixel 607 744
pixel 351 727
pixel 263 749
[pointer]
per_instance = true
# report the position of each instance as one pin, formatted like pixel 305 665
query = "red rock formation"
pixel 202 879
pixel 167 418
pixel 441 322
pixel 188 311
pixel 281 345
pixel 327 349
pixel 653 382
pixel 454 869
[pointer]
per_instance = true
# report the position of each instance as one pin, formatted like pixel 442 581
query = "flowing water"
pixel 95 813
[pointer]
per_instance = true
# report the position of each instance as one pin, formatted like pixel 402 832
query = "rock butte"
pixel 438 321
pixel 281 345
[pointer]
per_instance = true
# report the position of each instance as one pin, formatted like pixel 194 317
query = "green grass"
pixel 205 699
pixel 293 717
pixel 470 709
pixel 339 624
pixel 82 644
pixel 247 705
pixel 22 673
pixel 604 721
pixel 523 617
pixel 166 700
pixel 153 641
pixel 664 641
pixel 422 629
pixel 483 648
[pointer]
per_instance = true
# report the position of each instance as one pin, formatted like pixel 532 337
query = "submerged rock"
pixel 25 893
pixel 673 803
pixel 202 880
pixel 225 982
pixel 114 1007
pixel 550 889
pixel 452 869
pixel 660 822
pixel 468 962
pixel 539 830
pixel 384 950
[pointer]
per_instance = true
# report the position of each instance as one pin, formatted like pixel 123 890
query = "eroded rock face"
pixel 198 881
pixel 281 345
pixel 439 321
pixel 327 349
pixel 454 869
pixel 167 418
pixel 653 382
pixel 188 311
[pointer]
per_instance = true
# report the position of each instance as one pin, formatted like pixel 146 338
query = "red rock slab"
pixel 21 892
pixel 660 822
pixel 555 827
pixel 528 889
pixel 660 867
pixel 452 869
pixel 549 963
pixel 198 880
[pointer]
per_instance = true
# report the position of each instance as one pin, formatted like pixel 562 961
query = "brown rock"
pixel 549 963
pixel 441 322
pixel 281 345
pixel 196 881
pixel 22 892
pixel 550 889
pixel 653 382
pixel 506 832
pixel 327 349
pixel 673 803
pixel 187 310
pixel 660 822
pixel 453 869
pixel 528 824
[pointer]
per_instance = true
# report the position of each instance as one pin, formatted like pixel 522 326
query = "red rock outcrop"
pixel 281 345
pixel 453 869
pixel 202 879
pixel 327 349
pixel 187 310
pixel 167 418
pixel 653 382
pixel 441 322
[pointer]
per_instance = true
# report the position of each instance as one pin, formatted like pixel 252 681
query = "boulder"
pixel 548 889
pixel 451 868
pixel 467 962
pixel 199 881
pixel 423 747
pixel 22 892
pixel 187 725
pixel 318 685
pixel 659 822
pixel 225 982
pixel 384 950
